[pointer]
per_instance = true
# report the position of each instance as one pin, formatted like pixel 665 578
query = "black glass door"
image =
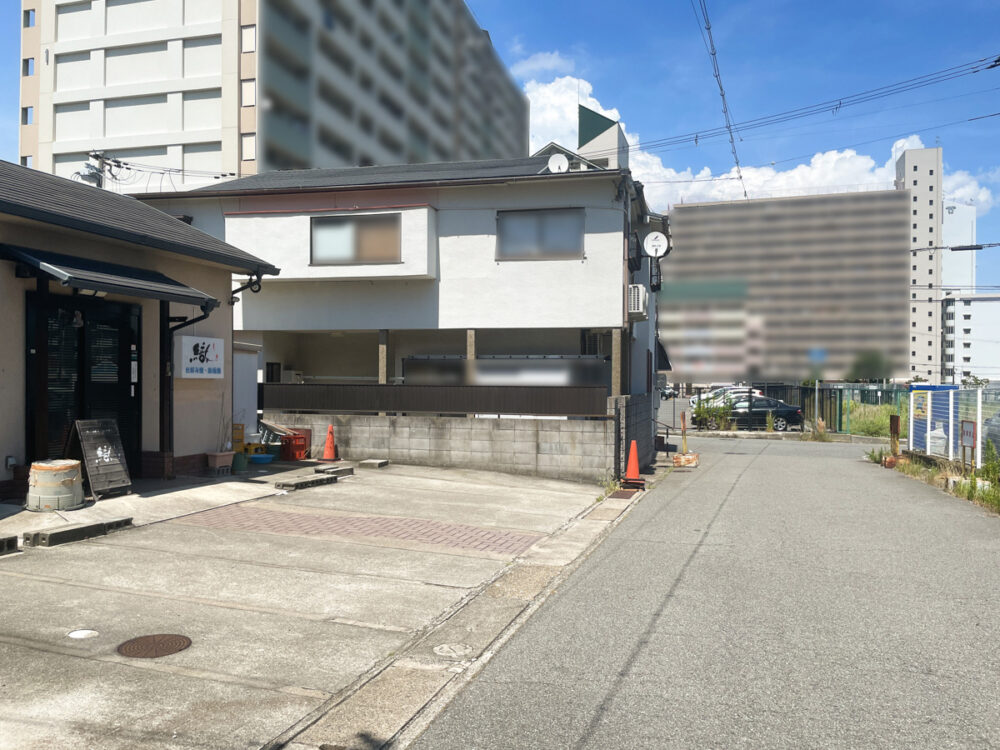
pixel 91 356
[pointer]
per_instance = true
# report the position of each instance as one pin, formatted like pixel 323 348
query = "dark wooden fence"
pixel 564 401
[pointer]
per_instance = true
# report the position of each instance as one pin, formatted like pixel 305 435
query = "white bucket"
pixel 55 485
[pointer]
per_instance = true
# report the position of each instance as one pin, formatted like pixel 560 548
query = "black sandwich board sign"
pixel 103 457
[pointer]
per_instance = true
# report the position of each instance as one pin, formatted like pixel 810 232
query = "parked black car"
pixel 785 415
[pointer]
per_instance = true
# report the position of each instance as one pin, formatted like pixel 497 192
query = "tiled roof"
pixel 384 176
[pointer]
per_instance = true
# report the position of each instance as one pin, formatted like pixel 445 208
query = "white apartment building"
pixel 180 93
pixel 962 352
pixel 958 229
pixel 918 171
pixel 971 343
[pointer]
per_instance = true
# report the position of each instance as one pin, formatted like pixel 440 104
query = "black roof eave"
pixel 203 193
pixel 102 230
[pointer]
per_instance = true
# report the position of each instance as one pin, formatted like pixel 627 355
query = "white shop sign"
pixel 199 357
pixel 968 434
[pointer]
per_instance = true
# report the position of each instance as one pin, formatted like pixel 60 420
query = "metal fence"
pixel 936 420
pixel 567 401
pixel 845 407
pixel 848 408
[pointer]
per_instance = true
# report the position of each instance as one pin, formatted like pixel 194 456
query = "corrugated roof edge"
pixel 247 185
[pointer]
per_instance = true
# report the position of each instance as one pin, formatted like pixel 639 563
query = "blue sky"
pixel 646 63
pixel 647 60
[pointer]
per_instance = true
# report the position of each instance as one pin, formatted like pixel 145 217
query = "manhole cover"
pixel 81 634
pixel 453 650
pixel 154 646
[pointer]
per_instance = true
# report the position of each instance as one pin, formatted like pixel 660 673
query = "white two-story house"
pixel 492 288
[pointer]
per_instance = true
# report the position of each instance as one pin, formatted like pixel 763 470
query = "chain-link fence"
pixel 939 418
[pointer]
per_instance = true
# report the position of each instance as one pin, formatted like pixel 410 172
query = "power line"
pixel 124 172
pixel 722 92
pixel 832 106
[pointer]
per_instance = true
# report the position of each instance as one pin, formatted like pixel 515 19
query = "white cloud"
pixel 554 118
pixel 962 187
pixel 554 113
pixel 542 63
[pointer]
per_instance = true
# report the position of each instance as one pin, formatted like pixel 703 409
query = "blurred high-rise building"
pixel 786 288
pixel 175 93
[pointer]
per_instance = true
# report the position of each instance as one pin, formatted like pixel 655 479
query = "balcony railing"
pixel 563 401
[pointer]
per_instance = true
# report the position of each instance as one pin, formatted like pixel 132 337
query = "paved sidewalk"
pixel 781 595
pixel 321 617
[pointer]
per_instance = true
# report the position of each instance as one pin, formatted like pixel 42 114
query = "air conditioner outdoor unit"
pixel 637 301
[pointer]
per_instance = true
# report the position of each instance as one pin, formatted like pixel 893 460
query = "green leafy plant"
pixel 770 421
pixel 609 484
pixel 990 470
pixel 973 381
pixel 713 416
pixel 875 455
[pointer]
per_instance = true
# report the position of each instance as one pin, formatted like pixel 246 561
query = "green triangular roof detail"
pixel 592 124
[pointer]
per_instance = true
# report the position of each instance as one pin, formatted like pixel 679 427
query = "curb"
pixel 418 723
pixel 462 671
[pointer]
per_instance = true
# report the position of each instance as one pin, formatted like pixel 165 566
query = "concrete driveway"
pixel 304 610
pixel 781 595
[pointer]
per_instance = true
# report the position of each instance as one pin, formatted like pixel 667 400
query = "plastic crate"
pixel 293 447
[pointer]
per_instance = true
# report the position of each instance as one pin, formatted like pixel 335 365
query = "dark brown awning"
pixel 97 276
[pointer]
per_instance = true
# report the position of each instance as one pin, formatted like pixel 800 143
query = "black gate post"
pixel 166 392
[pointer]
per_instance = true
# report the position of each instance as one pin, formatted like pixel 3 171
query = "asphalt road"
pixel 781 595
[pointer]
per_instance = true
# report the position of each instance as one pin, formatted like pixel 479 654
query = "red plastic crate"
pixel 293 447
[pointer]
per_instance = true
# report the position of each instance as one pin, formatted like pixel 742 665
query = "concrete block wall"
pixel 573 449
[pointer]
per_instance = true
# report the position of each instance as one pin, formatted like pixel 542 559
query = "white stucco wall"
pixel 469 288
pixel 284 240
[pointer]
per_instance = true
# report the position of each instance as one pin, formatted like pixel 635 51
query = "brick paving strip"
pixel 414 530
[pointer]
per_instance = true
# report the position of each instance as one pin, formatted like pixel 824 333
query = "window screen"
pixel 343 240
pixel 540 235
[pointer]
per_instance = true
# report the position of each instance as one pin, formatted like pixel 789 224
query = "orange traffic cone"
pixel 330 449
pixel 632 478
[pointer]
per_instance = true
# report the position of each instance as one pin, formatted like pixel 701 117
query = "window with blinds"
pixel 551 234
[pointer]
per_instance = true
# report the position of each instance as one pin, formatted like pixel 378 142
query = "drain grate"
pixel 154 646
pixel 622 494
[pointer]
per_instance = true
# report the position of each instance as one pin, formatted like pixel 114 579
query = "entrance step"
pixel 337 471
pixel 74 532
pixel 300 483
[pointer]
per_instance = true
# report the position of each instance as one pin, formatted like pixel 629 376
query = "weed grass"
pixel 873 419
pixel 982 487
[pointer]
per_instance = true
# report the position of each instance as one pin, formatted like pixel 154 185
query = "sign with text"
pixel 103 456
pixel 199 357
pixel 968 433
